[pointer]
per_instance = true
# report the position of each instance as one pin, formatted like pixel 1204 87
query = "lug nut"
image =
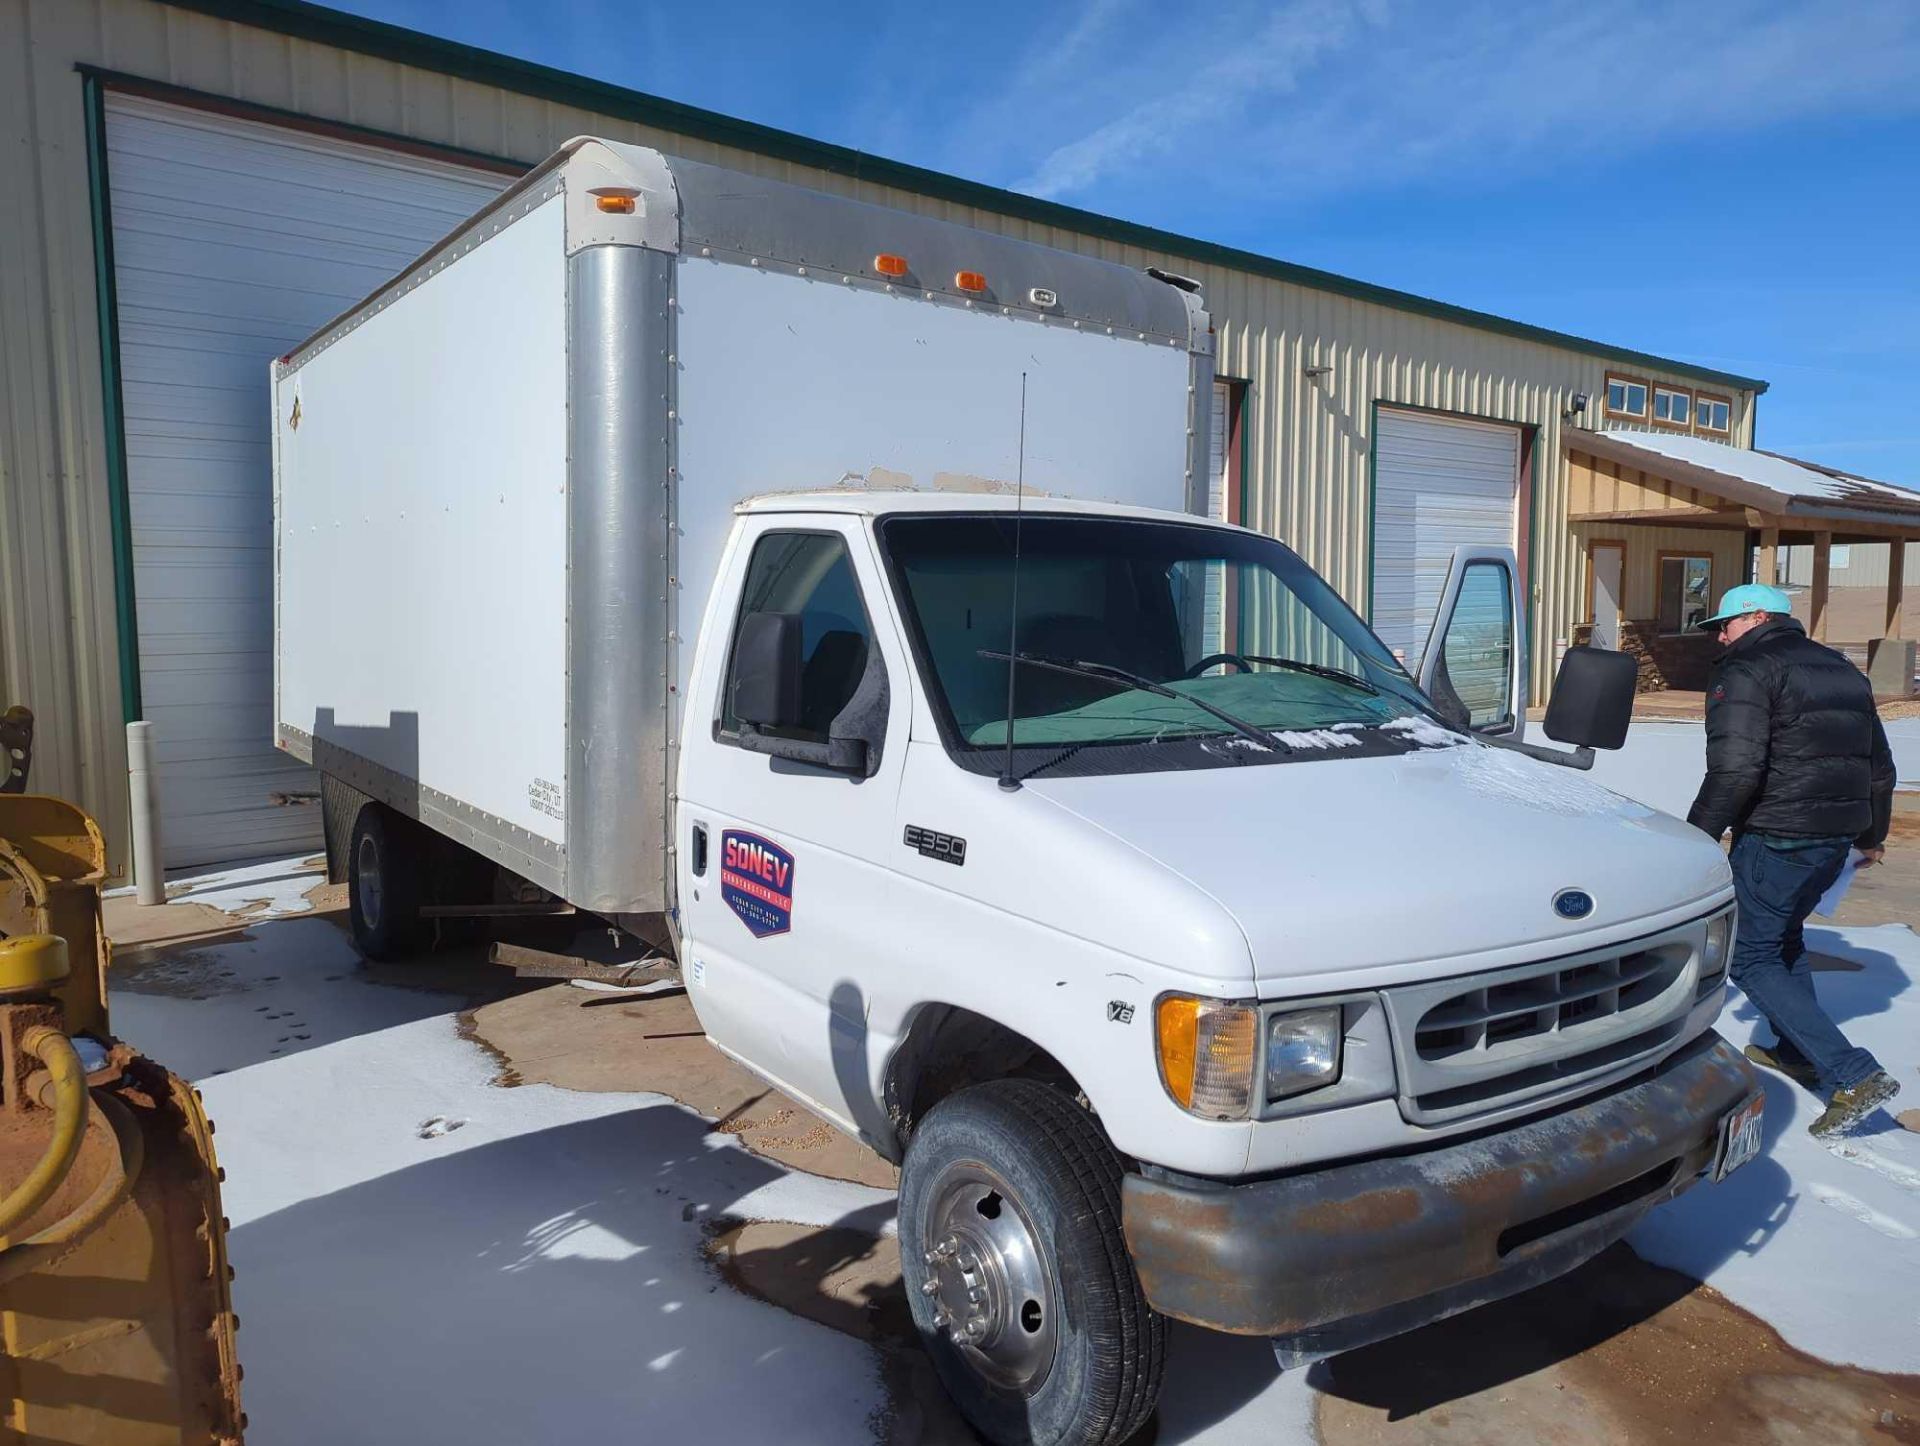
pixel 929 1287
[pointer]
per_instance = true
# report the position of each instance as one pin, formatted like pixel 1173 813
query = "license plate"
pixel 1739 1137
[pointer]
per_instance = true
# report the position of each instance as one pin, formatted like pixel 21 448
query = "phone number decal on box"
pixel 756 880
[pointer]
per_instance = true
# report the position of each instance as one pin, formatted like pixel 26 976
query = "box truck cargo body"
pixel 503 483
pixel 819 591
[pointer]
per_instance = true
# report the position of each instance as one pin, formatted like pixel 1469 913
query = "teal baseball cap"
pixel 1749 597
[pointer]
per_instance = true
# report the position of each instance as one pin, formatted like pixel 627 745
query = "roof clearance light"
pixel 887 264
pixel 969 281
pixel 614 203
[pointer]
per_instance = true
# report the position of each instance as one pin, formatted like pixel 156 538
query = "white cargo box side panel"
pixel 422 521
pixel 789 383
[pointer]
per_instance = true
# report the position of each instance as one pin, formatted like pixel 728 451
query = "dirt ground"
pixel 1619 1351
pixel 585 1040
pixel 1602 1356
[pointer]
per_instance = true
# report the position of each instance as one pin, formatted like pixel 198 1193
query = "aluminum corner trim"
pixel 639 174
pixel 619 336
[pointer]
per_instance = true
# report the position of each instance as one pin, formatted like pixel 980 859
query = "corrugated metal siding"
pixel 1307 465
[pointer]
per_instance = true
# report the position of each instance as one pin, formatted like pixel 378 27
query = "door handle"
pixel 699 850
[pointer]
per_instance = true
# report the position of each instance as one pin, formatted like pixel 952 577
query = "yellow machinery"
pixel 116 1324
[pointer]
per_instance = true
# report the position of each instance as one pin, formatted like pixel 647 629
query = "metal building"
pixel 194 184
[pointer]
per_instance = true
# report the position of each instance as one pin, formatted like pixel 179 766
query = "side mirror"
pixel 1593 698
pixel 766 670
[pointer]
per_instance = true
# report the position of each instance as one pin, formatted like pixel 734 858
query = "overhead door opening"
pixel 1439 483
pixel 233 240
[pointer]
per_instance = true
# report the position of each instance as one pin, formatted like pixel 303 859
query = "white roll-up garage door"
pixel 1438 482
pixel 232 242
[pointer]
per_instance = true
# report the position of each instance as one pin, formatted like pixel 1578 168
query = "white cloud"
pixel 1324 95
pixel 1269 62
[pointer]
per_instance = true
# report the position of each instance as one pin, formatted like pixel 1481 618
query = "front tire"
pixel 384 867
pixel 1017 1274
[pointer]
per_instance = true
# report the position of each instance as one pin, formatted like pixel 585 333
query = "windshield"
pixel 1214 616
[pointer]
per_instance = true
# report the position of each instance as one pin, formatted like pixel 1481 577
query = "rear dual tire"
pixel 385 866
pixel 1016 1272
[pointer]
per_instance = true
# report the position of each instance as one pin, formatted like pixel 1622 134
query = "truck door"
pixel 778 862
pixel 1474 664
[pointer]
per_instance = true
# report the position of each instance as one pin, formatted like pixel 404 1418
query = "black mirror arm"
pixel 800 750
pixel 1581 758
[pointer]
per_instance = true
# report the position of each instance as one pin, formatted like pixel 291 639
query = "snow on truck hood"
pixel 1348 871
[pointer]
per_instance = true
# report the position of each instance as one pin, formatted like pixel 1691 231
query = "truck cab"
pixel 1102 868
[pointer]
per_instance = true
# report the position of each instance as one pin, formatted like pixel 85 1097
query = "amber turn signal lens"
pixel 969 281
pixel 887 264
pixel 1206 1049
pixel 614 205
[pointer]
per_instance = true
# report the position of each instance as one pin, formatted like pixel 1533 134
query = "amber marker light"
pixel 1206 1049
pixel 614 203
pixel 887 264
pixel 969 281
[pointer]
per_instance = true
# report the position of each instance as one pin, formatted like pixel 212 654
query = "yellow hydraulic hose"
pixel 118 1182
pixel 54 1050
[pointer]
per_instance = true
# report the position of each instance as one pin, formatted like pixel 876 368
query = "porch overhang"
pixel 1650 480
pixel 1688 482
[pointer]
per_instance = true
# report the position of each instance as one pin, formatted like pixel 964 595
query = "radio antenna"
pixel 1007 780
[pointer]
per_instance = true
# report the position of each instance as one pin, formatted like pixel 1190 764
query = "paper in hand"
pixel 1830 900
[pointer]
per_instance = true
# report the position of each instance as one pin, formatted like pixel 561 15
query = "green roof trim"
pixel 327 26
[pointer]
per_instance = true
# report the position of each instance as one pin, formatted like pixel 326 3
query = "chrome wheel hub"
pixel 368 862
pixel 989 1281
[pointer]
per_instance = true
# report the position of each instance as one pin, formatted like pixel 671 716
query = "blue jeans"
pixel 1777 883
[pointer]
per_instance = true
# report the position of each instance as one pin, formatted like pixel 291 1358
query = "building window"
pixel 1626 398
pixel 1712 414
pixel 1686 591
pixel 1673 406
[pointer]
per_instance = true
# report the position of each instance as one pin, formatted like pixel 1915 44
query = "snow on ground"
pixel 288 986
pixel 430 1257
pixel 422 1255
pixel 533 1275
pixel 1822 1242
pixel 1662 764
pixel 269 889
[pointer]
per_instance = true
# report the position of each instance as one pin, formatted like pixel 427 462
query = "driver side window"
pixel 809 575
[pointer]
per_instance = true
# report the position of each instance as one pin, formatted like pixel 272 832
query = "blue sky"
pixel 1732 183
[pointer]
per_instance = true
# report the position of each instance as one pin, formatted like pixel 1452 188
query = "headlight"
pixel 1713 958
pixel 1303 1051
pixel 1206 1054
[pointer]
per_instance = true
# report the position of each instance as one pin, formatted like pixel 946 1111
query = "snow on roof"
pixel 1784 475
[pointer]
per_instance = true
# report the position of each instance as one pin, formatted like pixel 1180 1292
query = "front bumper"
pixel 1335 1258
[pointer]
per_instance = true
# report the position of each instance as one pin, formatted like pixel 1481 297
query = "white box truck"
pixel 657 544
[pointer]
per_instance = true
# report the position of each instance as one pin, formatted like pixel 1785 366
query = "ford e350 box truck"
pixel 656 544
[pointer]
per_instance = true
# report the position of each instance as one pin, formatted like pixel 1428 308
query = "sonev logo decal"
pixel 756 880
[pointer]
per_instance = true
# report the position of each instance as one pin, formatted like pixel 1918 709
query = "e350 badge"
pixel 756 880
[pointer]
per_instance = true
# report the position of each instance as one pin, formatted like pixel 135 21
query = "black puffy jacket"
pixel 1794 743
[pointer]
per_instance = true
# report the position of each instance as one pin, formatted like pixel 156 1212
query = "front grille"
pixel 1559 1001
pixel 1474 1044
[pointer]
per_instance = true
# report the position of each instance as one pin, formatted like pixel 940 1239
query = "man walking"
pixel 1798 767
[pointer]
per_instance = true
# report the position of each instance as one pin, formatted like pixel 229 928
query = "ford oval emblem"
pixel 1573 903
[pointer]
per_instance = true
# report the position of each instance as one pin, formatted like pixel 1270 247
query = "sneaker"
pixel 1799 1071
pixel 1849 1107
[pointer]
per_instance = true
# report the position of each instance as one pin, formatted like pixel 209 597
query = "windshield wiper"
pixel 1120 677
pixel 1319 670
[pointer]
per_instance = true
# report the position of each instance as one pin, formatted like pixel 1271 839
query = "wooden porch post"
pixel 1765 567
pixel 1896 586
pixel 1822 557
